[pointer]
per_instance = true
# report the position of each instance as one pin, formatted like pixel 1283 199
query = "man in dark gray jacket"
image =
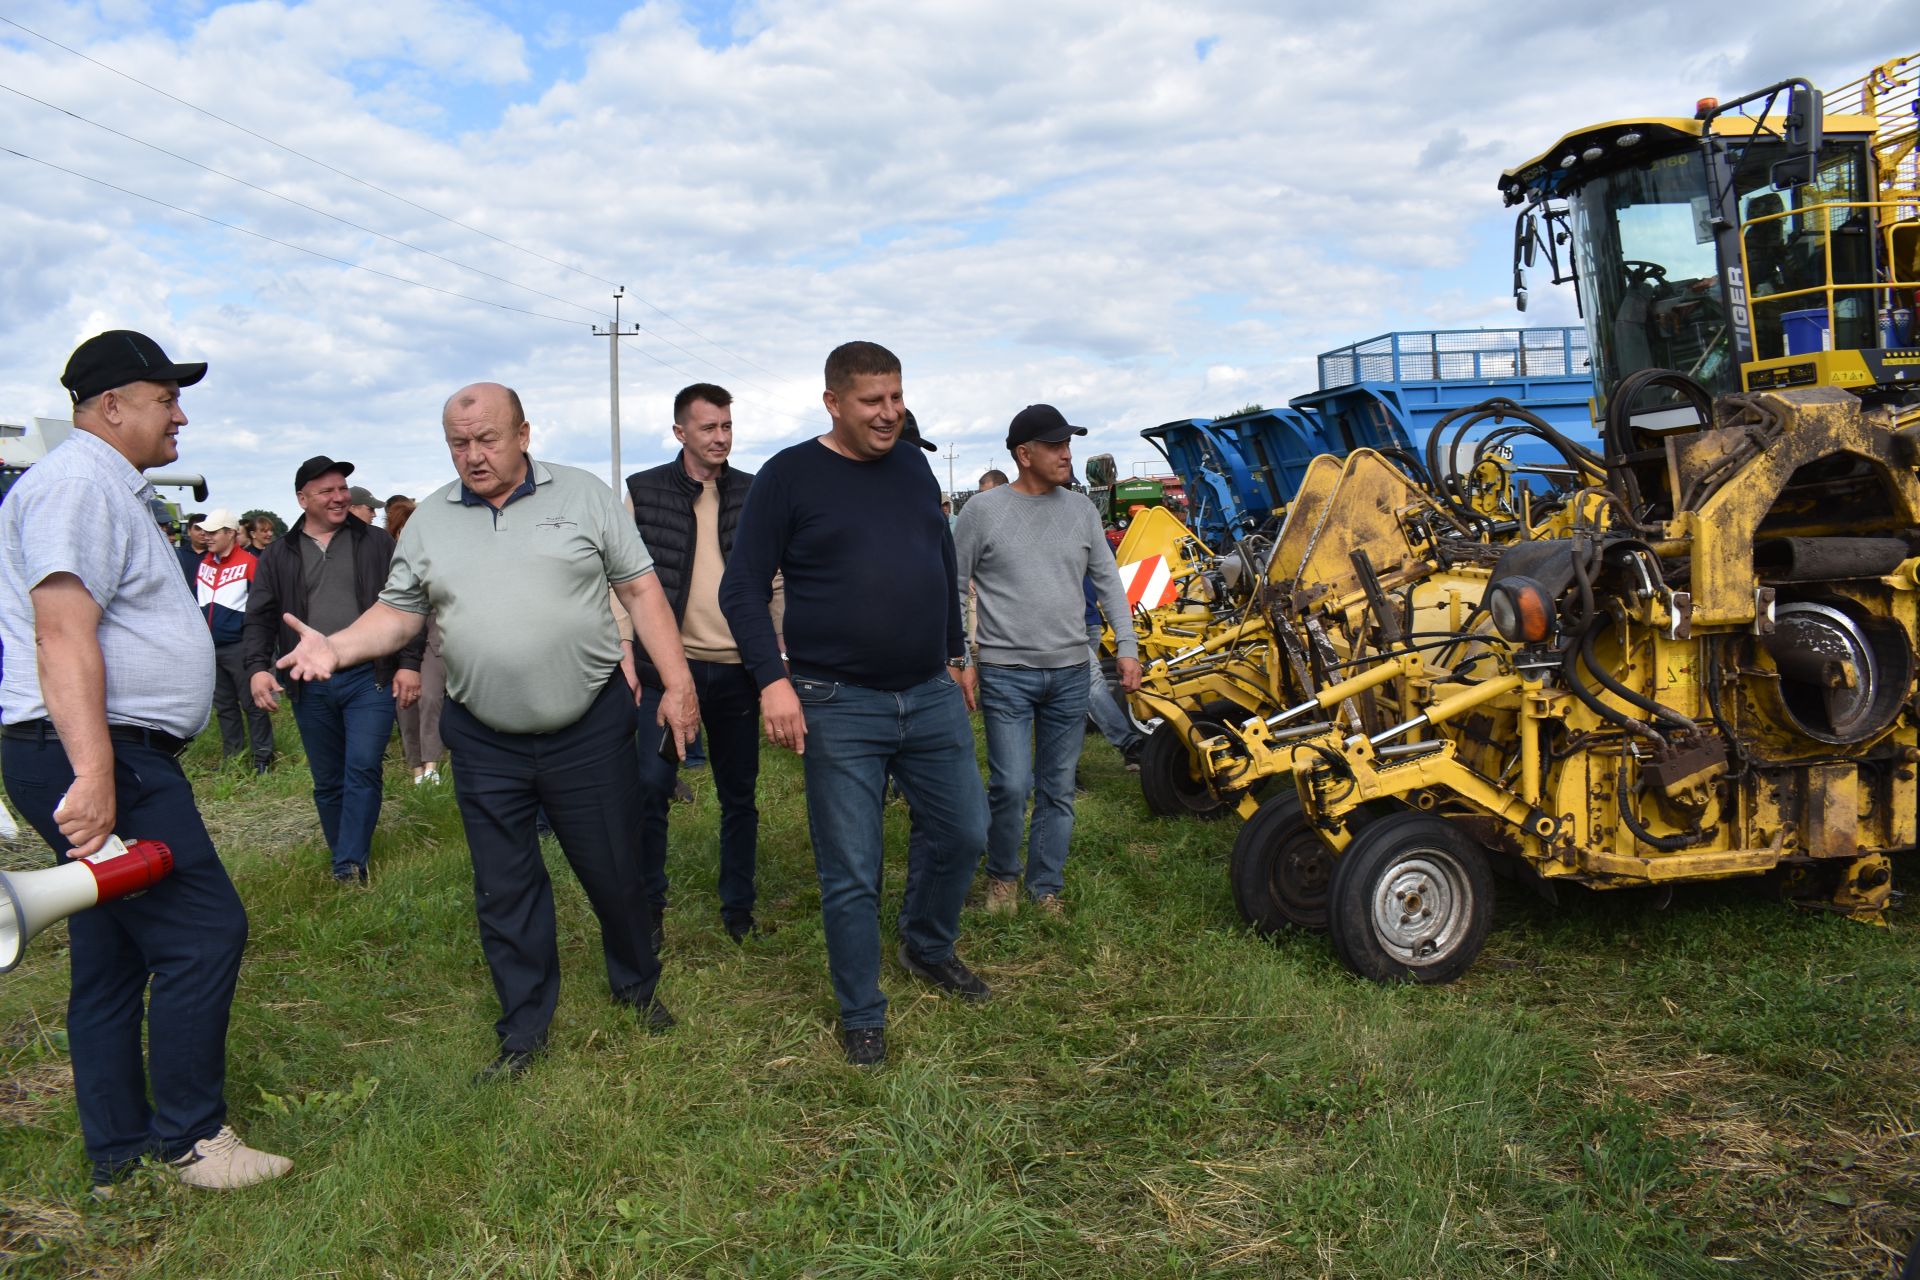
pixel 329 569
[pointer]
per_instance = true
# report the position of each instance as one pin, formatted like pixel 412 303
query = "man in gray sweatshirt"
pixel 1027 546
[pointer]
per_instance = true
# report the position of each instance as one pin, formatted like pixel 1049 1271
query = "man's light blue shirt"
pixel 83 510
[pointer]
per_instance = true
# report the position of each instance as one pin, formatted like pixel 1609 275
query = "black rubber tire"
pixel 1166 768
pixel 1282 871
pixel 1418 861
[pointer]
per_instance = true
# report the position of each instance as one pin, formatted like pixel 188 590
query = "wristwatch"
pixel 960 663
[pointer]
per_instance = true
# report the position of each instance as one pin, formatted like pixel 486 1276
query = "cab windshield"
pixel 1648 269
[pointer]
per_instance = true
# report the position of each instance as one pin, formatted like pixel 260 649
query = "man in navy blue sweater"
pixel 873 633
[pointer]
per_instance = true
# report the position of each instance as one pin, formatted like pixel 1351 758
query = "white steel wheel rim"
pixel 1420 907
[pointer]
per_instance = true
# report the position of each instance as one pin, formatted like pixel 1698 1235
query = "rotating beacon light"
pixel 32 900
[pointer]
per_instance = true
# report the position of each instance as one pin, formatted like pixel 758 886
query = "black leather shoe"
pixel 510 1065
pixel 949 975
pixel 653 1015
pixel 740 928
pixel 350 875
pixel 866 1046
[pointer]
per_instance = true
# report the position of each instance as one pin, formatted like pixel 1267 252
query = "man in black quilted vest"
pixel 686 511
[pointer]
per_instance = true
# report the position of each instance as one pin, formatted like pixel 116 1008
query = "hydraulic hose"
pixel 1634 697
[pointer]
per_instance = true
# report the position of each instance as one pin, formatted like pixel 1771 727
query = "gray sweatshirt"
pixel 1026 555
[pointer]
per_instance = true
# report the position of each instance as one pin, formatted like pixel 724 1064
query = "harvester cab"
pixel 1766 243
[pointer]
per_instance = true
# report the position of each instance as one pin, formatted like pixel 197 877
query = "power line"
pixel 372 186
pixel 347 222
pixel 286 244
pixel 300 204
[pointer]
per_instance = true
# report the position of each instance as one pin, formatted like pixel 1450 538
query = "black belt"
pixel 42 731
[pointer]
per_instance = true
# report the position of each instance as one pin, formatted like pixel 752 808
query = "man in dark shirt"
pixel 328 570
pixel 872 626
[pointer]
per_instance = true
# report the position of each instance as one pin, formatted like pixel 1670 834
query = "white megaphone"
pixel 32 900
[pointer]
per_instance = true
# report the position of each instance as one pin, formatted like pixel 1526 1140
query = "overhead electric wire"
pixel 287 244
pixel 300 204
pixel 393 195
pixel 372 186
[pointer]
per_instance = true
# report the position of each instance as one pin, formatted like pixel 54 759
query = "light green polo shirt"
pixel 520 594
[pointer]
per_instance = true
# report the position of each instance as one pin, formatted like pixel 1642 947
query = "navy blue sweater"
pixel 868 563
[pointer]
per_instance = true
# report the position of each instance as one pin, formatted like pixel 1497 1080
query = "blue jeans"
pixel 854 736
pixel 344 725
pixel 730 714
pixel 1108 716
pixel 176 947
pixel 1036 720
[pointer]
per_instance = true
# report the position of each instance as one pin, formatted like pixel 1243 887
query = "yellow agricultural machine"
pixel 1695 658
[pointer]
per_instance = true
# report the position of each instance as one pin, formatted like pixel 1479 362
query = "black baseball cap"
pixel 910 429
pixel 117 357
pixel 318 466
pixel 1040 422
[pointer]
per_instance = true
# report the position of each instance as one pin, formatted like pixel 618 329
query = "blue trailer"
pixel 1385 393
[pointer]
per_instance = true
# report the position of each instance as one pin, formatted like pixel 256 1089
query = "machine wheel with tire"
pixel 1411 900
pixel 1168 779
pixel 1281 870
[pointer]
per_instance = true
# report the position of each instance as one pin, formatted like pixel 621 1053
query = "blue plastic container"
pixel 1806 331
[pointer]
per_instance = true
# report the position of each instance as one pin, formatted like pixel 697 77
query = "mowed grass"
pixel 1725 1087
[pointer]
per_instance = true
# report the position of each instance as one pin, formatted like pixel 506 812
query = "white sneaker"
pixel 223 1162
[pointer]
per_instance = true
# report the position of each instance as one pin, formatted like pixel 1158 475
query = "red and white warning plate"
pixel 1149 584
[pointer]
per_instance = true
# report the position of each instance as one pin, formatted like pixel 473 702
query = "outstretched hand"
pixel 313 658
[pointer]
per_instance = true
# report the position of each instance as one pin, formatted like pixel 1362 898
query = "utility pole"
pixel 613 334
pixel 953 451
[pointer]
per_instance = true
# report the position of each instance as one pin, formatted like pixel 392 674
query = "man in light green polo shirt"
pixel 514 559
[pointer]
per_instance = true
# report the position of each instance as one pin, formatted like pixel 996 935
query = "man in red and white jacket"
pixel 221 587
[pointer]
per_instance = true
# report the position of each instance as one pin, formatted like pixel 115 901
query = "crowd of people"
pixel 823 603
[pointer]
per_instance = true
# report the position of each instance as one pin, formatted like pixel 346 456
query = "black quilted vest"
pixel 663 499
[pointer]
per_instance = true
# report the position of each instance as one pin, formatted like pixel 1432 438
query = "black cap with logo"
pixel 318 466
pixel 119 356
pixel 1040 422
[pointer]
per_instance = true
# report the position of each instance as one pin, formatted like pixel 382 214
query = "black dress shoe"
pixel 950 975
pixel 653 1015
pixel 510 1065
pixel 866 1046
pixel 350 875
pixel 740 928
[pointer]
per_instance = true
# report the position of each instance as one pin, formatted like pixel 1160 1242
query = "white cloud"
pixel 1059 202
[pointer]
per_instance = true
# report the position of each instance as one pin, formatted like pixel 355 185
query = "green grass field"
pixel 1722 1088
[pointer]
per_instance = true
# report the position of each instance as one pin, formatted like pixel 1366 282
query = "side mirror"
pixel 1804 111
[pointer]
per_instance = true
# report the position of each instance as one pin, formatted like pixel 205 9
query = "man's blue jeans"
pixel 730 713
pixel 854 736
pixel 1036 720
pixel 1108 715
pixel 344 725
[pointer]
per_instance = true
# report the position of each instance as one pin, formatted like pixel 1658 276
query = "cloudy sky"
pixel 1137 211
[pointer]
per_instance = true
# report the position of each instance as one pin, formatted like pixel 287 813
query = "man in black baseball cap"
pixel 315 467
pixel 910 431
pixel 329 570
pixel 1041 422
pixel 118 358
